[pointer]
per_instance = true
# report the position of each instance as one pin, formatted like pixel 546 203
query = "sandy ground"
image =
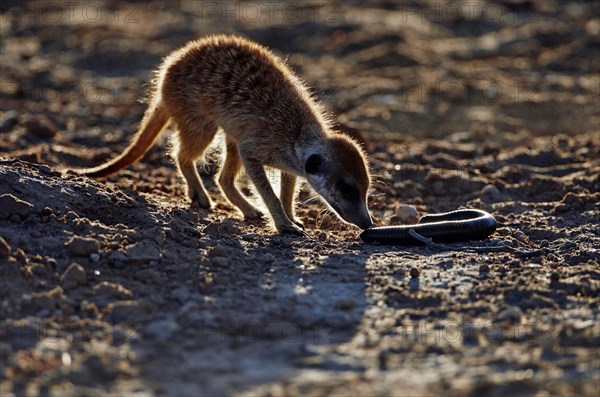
pixel 118 287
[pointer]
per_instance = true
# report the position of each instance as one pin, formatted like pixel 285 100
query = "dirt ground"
pixel 118 287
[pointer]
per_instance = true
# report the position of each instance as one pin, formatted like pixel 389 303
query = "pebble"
pixel 73 276
pixel 414 272
pixel 11 205
pixel 82 246
pixel 142 252
pixel 406 213
pixel 47 211
pixel 490 193
pixel 484 268
pixel 106 289
pixel 129 310
pixel 40 126
pixel 267 258
pixel 148 276
pixel 219 261
pixel 162 329
pixel 522 237
pixel 95 257
pixel 47 300
pixel 554 277
pixel 512 313
pixel 8 120
pixel 345 304
pixel 4 248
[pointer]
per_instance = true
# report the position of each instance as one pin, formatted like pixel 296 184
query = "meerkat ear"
pixel 313 164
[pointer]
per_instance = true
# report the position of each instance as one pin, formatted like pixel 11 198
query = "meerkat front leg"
pixel 227 181
pixel 288 194
pixel 257 175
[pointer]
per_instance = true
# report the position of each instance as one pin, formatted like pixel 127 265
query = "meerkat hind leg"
pixel 192 142
pixel 288 194
pixel 227 180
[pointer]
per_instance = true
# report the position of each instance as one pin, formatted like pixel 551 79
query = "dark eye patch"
pixel 347 191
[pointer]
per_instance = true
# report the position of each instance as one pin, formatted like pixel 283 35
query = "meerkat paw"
pixel 253 214
pixel 200 200
pixel 291 229
pixel 299 223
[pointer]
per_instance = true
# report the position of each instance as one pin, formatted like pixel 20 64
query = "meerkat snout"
pixel 269 118
pixel 340 175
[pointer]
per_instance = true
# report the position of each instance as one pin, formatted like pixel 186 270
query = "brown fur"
pixel 269 119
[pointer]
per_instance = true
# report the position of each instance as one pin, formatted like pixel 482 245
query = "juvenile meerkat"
pixel 269 119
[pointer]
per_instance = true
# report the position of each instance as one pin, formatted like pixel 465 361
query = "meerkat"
pixel 269 118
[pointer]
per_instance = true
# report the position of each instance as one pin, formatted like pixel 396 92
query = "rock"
pixel 406 213
pixel 162 329
pixel 40 126
pixel 48 300
pixel 219 261
pixel 414 272
pixel 73 276
pixel 11 205
pixel 105 289
pixel 484 268
pixel 4 248
pixel 490 193
pixel 148 276
pixel 82 246
pixel 129 310
pixel 345 304
pixel 8 120
pixel 267 258
pixel 142 252
pixel 512 313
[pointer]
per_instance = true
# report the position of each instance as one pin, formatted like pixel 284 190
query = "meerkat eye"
pixel 313 164
pixel 347 191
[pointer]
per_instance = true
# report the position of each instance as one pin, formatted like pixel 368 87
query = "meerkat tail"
pixel 153 123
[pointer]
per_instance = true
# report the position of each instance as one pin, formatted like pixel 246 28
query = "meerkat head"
pixel 339 173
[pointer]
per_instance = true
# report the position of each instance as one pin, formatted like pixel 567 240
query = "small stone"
pixel 512 313
pixel 45 169
pixel 73 276
pixel 406 213
pixel 554 277
pixel 162 329
pixel 105 289
pixel 47 300
pixel 490 193
pixel 95 257
pixel 484 268
pixel 8 120
pixel 40 126
pixel 219 261
pixel 267 258
pixel 345 304
pixel 520 236
pixel 47 211
pixel 414 272
pixel 82 246
pixel 142 252
pixel 544 243
pixel 14 218
pixel 129 310
pixel 11 205
pixel 148 276
pixel 4 248
pixel 571 199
